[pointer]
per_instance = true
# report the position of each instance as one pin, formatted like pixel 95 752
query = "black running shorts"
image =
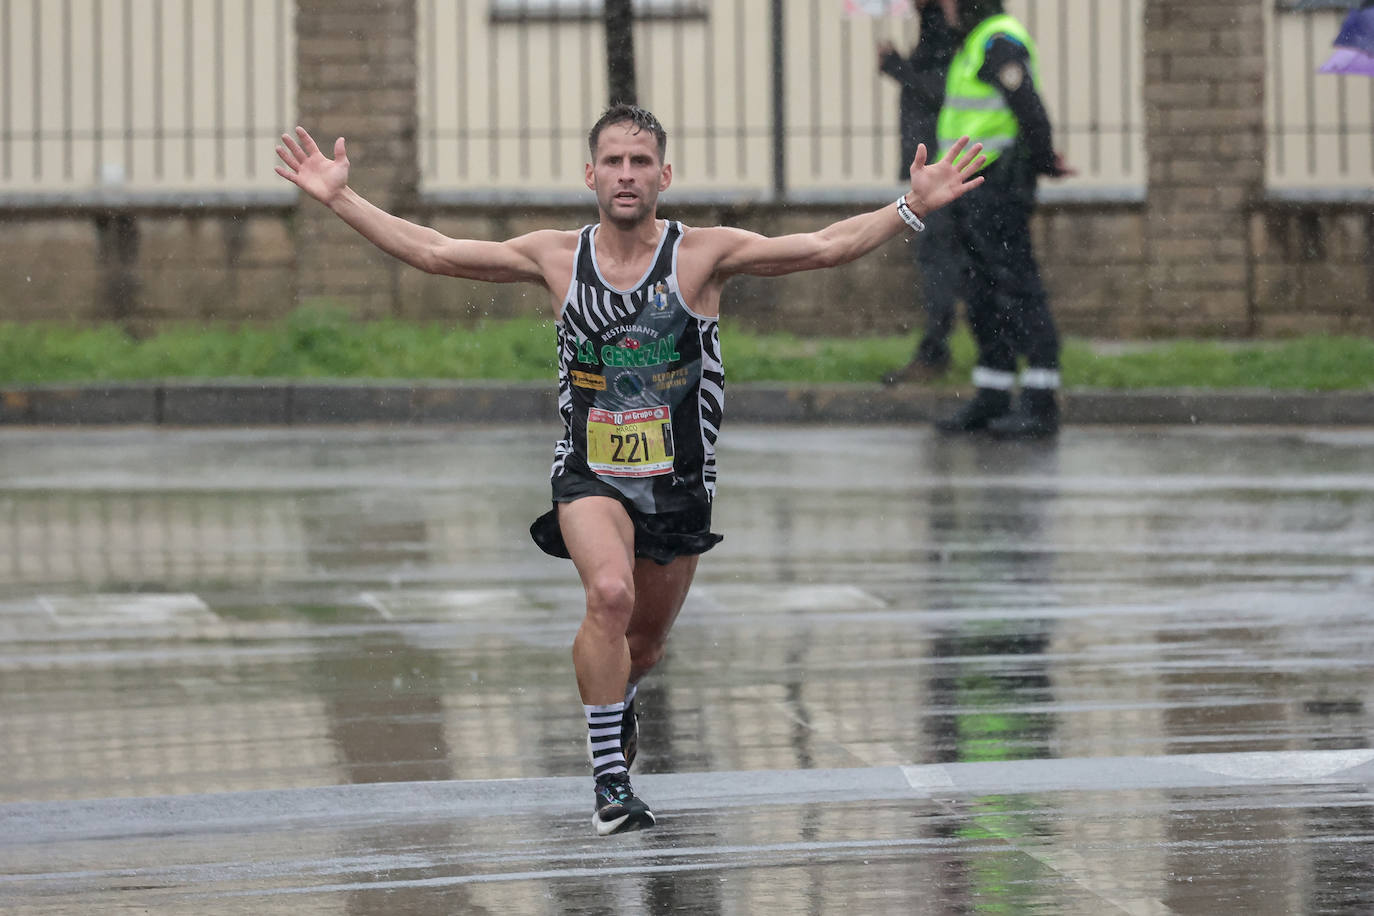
pixel 662 537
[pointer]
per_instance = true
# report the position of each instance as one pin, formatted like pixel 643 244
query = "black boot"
pixel 1035 417
pixel 987 405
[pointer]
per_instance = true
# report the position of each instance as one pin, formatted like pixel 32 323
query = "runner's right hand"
pixel 309 169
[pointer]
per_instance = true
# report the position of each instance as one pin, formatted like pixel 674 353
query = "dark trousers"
pixel 940 262
pixel 1008 310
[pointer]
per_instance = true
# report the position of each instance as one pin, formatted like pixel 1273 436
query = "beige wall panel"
pixel 1091 71
pixel 710 81
pixel 49 94
pixel 841 113
pixel 16 70
pixel 139 150
pixel 199 89
pixel 81 162
pixel 745 72
pixel 690 72
pixel 160 95
pixel 1321 124
pixel 479 79
pixel 442 58
pixel 690 149
pixel 169 50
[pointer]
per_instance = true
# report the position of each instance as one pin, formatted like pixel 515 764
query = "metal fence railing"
pixel 113 98
pixel 106 100
pixel 505 101
pixel 1321 125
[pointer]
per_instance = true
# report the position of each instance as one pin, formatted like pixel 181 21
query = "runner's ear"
pixel 665 177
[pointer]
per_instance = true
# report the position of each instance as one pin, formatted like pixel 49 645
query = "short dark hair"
pixel 622 113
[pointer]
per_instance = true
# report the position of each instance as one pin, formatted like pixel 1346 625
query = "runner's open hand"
pixel 309 169
pixel 936 184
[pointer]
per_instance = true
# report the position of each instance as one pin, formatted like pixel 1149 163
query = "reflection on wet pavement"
pixel 310 620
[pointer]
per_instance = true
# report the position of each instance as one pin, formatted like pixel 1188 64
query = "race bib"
pixel 630 443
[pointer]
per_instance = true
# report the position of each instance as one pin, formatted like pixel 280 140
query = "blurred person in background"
pixel 922 76
pixel 992 95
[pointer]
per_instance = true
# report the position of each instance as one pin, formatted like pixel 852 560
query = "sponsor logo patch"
pixel 588 380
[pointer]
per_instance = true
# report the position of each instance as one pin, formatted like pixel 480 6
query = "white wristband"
pixel 911 219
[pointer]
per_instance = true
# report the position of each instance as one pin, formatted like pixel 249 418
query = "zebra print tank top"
pixel 641 385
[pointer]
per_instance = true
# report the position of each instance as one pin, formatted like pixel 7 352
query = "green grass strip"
pixel 323 343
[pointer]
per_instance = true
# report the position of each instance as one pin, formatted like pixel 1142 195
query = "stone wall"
pixel 1205 130
pixel 356 73
pixel 1310 269
pixel 1092 255
pixel 1313 270
pixel 1205 254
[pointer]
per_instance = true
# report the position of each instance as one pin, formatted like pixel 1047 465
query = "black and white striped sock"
pixel 603 738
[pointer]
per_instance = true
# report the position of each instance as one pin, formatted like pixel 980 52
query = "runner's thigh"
pixel 599 536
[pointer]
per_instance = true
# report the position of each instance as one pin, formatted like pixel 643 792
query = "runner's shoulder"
pixel 545 243
pixel 704 247
pixel 713 238
pixel 547 239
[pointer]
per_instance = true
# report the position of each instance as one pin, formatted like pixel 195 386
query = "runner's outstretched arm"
pixel 933 185
pixel 326 180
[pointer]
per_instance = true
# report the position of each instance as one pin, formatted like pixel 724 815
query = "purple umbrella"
pixel 1355 44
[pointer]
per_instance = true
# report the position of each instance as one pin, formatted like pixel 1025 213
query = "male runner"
pixel 640 387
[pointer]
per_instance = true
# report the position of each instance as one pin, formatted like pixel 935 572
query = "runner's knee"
pixel 645 653
pixel 610 600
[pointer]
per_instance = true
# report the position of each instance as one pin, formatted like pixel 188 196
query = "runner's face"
pixel 626 175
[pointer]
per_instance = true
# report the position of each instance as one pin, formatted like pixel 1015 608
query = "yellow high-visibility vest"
pixel 977 109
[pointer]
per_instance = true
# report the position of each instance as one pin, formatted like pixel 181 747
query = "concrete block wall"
pixel 1205 254
pixel 1092 256
pixel 215 267
pixel 1313 270
pixel 50 267
pixel 1205 129
pixel 356 73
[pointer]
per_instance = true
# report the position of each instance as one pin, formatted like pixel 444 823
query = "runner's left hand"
pixel 938 183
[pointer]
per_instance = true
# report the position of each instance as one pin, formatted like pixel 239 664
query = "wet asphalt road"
pixel 325 671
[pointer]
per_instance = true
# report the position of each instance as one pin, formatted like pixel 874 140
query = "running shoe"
pixel 987 405
pixel 618 809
